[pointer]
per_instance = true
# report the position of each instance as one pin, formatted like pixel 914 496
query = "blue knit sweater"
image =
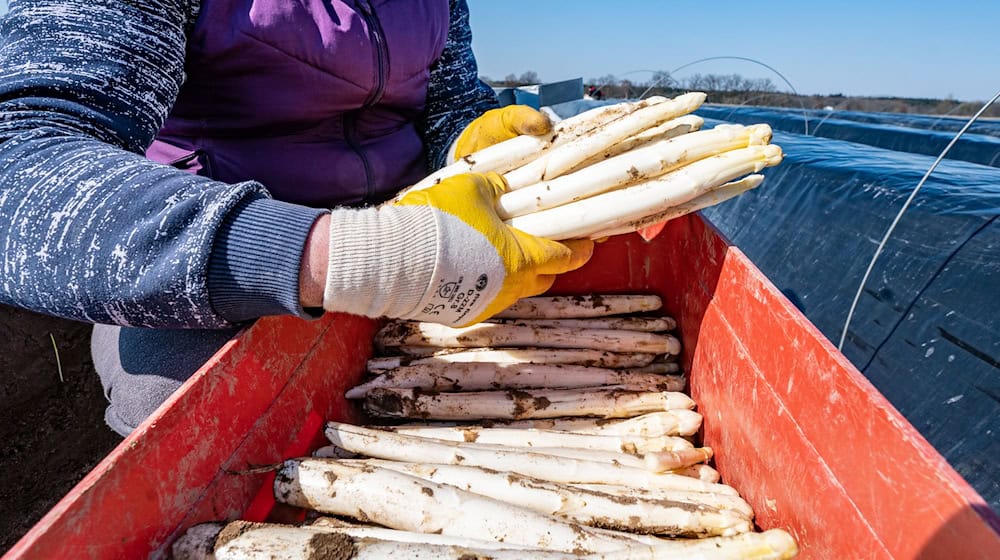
pixel 93 231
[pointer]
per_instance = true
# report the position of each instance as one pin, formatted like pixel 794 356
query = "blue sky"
pixel 898 48
pixel 901 48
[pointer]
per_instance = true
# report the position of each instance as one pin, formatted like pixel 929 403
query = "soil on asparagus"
pixel 52 430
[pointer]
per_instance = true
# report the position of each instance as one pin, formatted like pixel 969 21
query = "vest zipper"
pixel 375 32
pixel 350 136
pixel 350 119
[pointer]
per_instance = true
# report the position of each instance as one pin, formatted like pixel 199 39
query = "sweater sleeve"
pixel 455 94
pixel 89 228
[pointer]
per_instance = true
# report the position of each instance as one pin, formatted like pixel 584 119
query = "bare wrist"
pixel 315 259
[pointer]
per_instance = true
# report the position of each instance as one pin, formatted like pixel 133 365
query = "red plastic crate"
pixel 803 436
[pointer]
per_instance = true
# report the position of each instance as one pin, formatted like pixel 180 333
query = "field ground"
pixel 52 429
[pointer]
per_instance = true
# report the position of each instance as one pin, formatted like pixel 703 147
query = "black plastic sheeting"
pixel 946 123
pixel 926 331
pixel 971 147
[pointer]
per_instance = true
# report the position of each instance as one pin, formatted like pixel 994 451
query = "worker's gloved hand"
pixel 496 125
pixel 440 254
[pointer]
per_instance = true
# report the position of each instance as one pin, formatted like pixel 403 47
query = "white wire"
pixel 805 117
pixel 892 227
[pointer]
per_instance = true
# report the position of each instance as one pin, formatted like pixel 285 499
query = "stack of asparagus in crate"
pixel 556 430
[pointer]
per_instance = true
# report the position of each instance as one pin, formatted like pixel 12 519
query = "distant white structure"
pixel 540 95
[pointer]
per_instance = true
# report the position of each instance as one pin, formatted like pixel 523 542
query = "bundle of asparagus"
pixel 530 458
pixel 620 168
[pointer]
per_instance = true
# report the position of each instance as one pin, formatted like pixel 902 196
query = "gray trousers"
pixel 140 368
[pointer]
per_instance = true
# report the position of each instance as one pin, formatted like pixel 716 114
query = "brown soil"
pixel 52 430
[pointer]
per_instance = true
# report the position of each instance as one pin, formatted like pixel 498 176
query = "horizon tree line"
pixel 735 89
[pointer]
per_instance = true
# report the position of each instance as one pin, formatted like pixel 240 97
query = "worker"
pixel 172 170
pixel 595 93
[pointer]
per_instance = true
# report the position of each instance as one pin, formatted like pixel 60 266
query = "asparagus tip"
pixel 782 542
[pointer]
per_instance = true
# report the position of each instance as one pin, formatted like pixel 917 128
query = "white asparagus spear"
pixel 515 404
pixel 334 524
pixel 398 447
pixel 407 351
pixel 572 128
pixel 774 544
pixel 668 423
pixel 197 543
pixel 520 150
pixel 671 422
pixel 416 333
pixel 631 167
pixel 561 159
pixel 616 458
pixel 700 471
pixel 257 541
pixel 664 131
pixel 405 502
pixel 252 541
pixel 534 352
pixel 718 501
pixel 645 324
pixel 622 207
pixel 676 422
pixel 580 356
pixel 502 157
pixel 669 460
pixel 618 361
pixel 569 129
pixel 491 376
pixel 711 198
pixel 514 437
pixel 659 548
pixel 571 307
pixel 662 517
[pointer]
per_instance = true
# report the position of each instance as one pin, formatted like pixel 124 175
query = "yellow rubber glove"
pixel 496 125
pixel 483 265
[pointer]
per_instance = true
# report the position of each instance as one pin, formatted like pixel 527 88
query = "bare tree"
pixel 696 82
pixel 661 78
pixel 529 77
pixel 729 82
pixel 761 85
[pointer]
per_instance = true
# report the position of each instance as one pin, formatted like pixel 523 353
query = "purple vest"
pixel 315 99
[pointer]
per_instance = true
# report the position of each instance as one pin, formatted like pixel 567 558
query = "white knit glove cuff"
pixel 381 260
pixel 410 262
